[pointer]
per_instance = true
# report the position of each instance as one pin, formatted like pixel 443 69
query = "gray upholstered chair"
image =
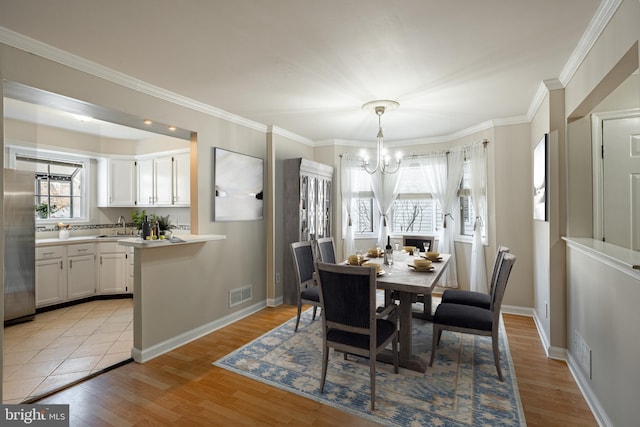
pixel 308 292
pixel 327 250
pixel 469 319
pixel 478 299
pixel 350 322
pixel 424 243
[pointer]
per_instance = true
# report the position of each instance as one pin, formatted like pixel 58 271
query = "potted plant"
pixel 165 225
pixel 43 210
pixel 137 217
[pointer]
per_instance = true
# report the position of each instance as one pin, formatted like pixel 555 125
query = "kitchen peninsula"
pixel 167 300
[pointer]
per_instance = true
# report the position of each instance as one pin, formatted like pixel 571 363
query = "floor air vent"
pixel 240 295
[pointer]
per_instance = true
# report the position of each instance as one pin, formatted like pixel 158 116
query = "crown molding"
pixel 597 25
pixel 51 53
pixel 290 135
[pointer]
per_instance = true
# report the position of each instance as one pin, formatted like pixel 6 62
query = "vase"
pixel 63 234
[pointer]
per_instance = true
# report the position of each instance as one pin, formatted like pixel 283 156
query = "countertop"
pixel 181 239
pixel 132 241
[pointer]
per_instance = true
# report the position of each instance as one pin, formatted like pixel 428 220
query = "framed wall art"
pixel 540 177
pixel 238 181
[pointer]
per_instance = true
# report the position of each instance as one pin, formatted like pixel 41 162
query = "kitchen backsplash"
pixel 52 227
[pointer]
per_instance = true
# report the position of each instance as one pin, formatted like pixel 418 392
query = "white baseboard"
pixel 186 337
pixel 583 384
pixel 517 310
pixel 271 302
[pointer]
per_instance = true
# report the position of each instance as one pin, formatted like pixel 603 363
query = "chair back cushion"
pixel 506 264
pixel 347 294
pixel 421 242
pixel 326 249
pixel 302 261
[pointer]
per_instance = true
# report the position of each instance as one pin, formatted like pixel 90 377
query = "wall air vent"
pixel 240 295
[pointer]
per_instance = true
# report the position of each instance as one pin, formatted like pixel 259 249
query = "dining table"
pixel 406 283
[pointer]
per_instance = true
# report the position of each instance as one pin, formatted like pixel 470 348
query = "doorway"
pixel 617 155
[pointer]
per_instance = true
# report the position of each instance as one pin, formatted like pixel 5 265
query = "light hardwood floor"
pixel 182 388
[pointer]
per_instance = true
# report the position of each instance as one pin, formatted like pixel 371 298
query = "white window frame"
pixel 15 151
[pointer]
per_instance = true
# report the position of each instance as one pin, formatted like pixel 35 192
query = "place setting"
pixel 422 265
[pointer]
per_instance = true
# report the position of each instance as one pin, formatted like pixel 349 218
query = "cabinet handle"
pixel 47 253
pixel 636 267
pixel 100 259
pixel 82 250
pixel 61 266
pixel 70 263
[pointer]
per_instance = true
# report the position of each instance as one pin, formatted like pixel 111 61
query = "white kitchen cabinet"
pixel 81 270
pixel 113 268
pixel 164 181
pixel 51 275
pixel 182 177
pixel 117 182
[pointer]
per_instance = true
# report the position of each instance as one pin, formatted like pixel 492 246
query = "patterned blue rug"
pixel 461 389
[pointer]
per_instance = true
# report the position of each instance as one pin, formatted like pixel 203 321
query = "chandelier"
pixel 382 159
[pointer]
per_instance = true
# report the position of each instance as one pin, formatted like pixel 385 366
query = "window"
pixel 59 186
pixel 467 214
pixel 363 219
pixel 414 211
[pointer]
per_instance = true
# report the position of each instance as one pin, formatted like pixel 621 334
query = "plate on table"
pixel 380 272
pixel 438 259
pixel 421 270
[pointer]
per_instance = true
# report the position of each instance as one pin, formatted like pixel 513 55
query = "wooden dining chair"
pixel 327 250
pixel 475 320
pixel 308 292
pixel 350 321
pixel 478 299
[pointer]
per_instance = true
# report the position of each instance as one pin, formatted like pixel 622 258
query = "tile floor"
pixel 64 345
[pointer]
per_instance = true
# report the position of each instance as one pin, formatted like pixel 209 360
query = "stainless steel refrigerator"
pixel 19 246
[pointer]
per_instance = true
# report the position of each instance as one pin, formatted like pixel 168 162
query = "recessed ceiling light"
pixel 147 121
pixel 172 128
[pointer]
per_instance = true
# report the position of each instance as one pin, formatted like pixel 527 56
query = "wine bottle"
pixel 388 252
pixel 146 228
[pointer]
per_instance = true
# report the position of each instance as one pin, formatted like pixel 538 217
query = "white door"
pixel 621 181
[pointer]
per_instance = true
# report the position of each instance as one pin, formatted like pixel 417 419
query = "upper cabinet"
pixel 117 182
pixel 181 176
pixel 164 181
pixel 158 181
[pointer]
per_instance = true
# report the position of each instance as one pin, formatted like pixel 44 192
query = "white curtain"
pixel 349 166
pixel 455 165
pixel 385 191
pixel 478 168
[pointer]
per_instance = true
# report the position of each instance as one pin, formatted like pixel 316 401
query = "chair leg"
pixel 434 343
pixel 325 362
pixel 496 353
pixel 394 348
pixel 372 375
pixel 315 308
pixel 298 318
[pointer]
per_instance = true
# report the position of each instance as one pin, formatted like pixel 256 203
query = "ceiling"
pixel 307 67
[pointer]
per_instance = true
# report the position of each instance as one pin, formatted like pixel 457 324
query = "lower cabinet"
pixel 113 269
pixel 81 270
pixel 51 275
pixel 73 271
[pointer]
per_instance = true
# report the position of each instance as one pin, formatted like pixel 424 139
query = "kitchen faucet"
pixel 124 224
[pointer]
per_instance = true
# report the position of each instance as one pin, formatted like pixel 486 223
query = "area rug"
pixel 461 389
